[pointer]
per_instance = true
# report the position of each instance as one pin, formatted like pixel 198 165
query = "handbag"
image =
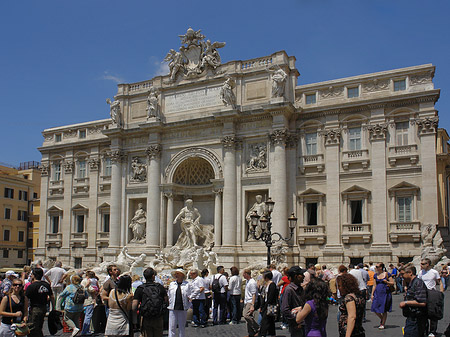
pixel 20 329
pixel 271 310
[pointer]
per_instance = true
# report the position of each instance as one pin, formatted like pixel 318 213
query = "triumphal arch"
pixel 181 159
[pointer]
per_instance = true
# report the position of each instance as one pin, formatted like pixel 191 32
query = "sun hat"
pixel 179 270
pixel 11 273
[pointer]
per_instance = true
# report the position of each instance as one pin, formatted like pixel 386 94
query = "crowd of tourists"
pixel 298 298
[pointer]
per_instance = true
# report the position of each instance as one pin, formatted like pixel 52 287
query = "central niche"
pixel 194 172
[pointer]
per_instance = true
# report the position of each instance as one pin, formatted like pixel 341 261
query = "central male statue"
pixel 190 225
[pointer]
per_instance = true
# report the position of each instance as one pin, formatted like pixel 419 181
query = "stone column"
pixel 229 192
pixel 427 132
pixel 43 216
pixel 116 197
pixel 380 225
pixel 218 217
pixel 332 143
pixel 278 182
pixel 67 225
pixel 92 224
pixel 153 194
pixel 169 222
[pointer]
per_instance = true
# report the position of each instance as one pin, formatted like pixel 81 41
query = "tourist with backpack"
pixel 179 294
pixel 72 300
pixel 150 299
pixel 219 287
pixel 414 305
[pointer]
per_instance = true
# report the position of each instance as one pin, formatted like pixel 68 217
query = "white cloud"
pixel 158 68
pixel 110 77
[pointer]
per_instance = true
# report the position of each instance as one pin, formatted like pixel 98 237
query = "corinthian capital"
pixel 68 166
pixel 117 156
pixel 153 151
pixel 94 164
pixel 279 137
pixel 44 169
pixel 229 142
pixel 377 131
pixel 427 125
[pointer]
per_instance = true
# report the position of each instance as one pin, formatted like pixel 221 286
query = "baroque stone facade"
pixel 347 156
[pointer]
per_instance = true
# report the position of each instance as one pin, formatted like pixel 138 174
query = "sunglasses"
pixel 17 285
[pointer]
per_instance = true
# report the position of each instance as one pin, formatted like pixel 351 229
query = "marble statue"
pixel 152 103
pixel 226 93
pixel 176 63
pixel 278 82
pixel 258 206
pixel 138 170
pixel 138 224
pixel 258 158
pixel 432 245
pixel 189 217
pixel 191 37
pixel 115 112
pixel 210 56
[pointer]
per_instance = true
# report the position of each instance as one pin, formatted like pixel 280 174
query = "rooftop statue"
pixel 115 112
pixel 195 57
pixel 152 103
pixel 226 93
pixel 278 82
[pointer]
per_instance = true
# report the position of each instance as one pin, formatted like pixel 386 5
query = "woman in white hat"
pixel 179 294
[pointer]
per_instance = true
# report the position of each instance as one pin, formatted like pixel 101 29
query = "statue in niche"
pixel 226 93
pixel 138 170
pixel 176 63
pixel 189 217
pixel 210 56
pixel 278 82
pixel 152 103
pixel 114 111
pixel 138 224
pixel 258 158
pixel 258 206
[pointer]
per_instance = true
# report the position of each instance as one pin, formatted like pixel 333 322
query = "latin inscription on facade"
pixel 192 100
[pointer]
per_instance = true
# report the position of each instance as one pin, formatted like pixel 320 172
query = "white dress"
pixel 117 323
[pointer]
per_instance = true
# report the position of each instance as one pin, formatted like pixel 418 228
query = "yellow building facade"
pixel 443 173
pixel 19 188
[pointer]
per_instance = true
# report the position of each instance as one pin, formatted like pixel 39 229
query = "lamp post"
pixel 266 227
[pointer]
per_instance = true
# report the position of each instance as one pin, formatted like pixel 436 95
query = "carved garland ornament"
pixel 154 151
pixel 376 85
pixel 377 131
pixel 332 92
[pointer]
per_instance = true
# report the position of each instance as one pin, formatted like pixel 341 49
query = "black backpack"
pixel 215 286
pixel 152 303
pixel 435 304
pixel 79 296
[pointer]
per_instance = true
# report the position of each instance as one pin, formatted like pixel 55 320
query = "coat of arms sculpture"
pixel 195 57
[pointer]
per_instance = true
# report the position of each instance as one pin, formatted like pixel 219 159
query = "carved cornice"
pixel 94 164
pixel 154 151
pixel 68 166
pixel 332 136
pixel 117 156
pixel 279 137
pixel 427 125
pixel 378 131
pixel 45 168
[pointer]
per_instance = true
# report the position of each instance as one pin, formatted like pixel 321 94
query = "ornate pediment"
pixel 195 56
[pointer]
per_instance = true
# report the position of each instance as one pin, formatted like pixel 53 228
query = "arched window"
pixel 194 171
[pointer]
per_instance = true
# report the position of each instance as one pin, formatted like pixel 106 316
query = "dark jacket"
pixel 292 298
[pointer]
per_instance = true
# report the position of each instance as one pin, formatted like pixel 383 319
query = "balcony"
pixel 404 152
pixel 312 234
pixel 356 233
pixel 404 231
pixel 315 161
pixel 54 240
pixel 102 238
pixel 79 239
pixel 355 157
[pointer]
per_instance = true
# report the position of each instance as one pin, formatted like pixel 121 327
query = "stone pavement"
pixel 393 328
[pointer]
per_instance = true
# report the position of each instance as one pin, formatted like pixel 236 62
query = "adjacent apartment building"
pixel 20 189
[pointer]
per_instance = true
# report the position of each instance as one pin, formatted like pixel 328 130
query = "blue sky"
pixel 60 60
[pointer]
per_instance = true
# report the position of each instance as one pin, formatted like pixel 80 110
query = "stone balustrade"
pixel 356 233
pixel 54 240
pixel 256 63
pixel 312 161
pixel 355 157
pixel 311 234
pixel 79 239
pixel 400 231
pixel 404 152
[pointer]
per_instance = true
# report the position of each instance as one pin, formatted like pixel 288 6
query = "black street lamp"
pixel 266 227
